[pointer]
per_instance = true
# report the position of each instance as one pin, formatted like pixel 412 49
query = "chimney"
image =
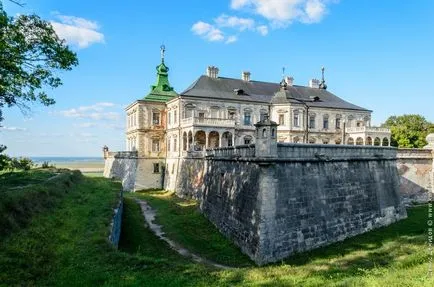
pixel 212 72
pixel 289 81
pixel 245 76
pixel 314 83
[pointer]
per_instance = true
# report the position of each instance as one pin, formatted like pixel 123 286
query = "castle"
pixel 216 112
pixel 278 168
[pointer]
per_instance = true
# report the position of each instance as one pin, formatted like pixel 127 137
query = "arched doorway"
pixel 199 140
pixel 227 139
pixel 359 141
pixel 368 141
pixel 377 142
pixel 350 141
pixel 385 142
pixel 213 139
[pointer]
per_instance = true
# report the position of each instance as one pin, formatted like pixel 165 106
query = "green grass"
pixel 184 224
pixel 66 245
pixel 15 179
pixel 24 194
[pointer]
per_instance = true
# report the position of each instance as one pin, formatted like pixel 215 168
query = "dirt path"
pixel 149 214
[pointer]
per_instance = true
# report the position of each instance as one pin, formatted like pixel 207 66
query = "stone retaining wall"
pixel 415 167
pixel 308 196
pixel 116 224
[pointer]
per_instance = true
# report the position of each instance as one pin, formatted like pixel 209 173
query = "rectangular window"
pixel 155 145
pixel 175 144
pixel 338 123
pixel 296 120
pixel 170 118
pixel 281 120
pixel 175 117
pixel 312 122
pixel 168 145
pixel 156 168
pixel 173 168
pixel 155 118
pixel 201 115
pixel 262 116
pixel 247 118
pixel 325 123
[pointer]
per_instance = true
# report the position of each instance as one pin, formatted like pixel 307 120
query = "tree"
pixel 30 54
pixel 409 131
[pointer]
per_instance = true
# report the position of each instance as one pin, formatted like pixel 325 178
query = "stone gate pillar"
pixel 266 138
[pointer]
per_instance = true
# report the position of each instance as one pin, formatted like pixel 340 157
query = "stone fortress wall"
pixel 305 197
pixel 415 167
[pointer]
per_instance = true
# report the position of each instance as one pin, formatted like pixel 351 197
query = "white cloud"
pixel 207 31
pixel 85 125
pixel 237 4
pixel 282 12
pixel 263 30
pixel 12 129
pixel 235 22
pixel 95 112
pixel 231 39
pixel 77 31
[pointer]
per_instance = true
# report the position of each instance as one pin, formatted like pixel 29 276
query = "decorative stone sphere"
pixel 430 140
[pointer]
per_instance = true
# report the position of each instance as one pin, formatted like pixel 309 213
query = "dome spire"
pixel 161 91
pixel 162 50
pixel 323 85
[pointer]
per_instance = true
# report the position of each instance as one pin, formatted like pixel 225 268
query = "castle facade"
pixel 164 127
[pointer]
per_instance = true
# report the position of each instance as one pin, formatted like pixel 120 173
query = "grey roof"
pixel 263 92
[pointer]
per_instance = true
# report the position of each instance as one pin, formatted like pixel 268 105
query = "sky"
pixel 377 54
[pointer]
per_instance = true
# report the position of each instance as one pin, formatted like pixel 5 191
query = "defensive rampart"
pixel 415 167
pixel 303 197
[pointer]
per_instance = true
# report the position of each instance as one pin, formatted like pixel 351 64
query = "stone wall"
pixel 121 166
pixel 116 224
pixel 308 196
pixel 415 167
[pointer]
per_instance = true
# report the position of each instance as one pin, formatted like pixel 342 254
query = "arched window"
pixel 264 133
pixel 312 140
pixel 247 140
pixel 377 142
pixel 368 141
pixel 350 141
pixel 359 141
pixel 338 141
pixel 296 139
pixel 273 133
pixel 385 142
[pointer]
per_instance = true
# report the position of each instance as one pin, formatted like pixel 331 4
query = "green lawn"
pixel 66 244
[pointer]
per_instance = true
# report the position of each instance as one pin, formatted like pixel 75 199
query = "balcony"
pixel 367 130
pixel 208 122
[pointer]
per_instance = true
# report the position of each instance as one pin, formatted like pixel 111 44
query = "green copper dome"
pixel 161 91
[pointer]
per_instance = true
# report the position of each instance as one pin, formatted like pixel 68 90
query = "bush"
pixel 46 164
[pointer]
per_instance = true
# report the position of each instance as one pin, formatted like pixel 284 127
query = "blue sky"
pixel 377 54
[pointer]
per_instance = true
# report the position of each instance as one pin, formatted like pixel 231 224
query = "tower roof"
pixel 161 91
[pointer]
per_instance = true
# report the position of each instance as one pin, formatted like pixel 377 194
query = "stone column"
pixel 220 139
pixel 206 140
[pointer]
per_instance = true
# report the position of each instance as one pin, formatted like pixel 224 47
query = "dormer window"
pixel 239 92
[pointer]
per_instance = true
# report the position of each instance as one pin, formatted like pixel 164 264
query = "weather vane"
pixel 162 49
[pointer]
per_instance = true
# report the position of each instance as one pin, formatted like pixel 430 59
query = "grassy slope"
pixel 24 194
pixel 67 245
pixel 395 255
